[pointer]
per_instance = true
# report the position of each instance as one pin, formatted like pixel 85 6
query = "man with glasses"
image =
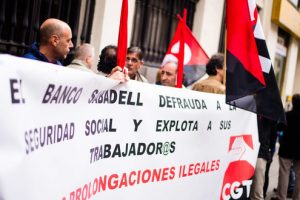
pixel 134 61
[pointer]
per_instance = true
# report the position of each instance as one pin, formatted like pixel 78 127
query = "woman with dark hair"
pixel 107 65
pixel 107 60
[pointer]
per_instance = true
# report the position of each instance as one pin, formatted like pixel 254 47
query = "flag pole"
pixel 225 53
pixel 122 39
pixel 181 51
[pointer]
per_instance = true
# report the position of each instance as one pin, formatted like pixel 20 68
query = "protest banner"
pixel 69 135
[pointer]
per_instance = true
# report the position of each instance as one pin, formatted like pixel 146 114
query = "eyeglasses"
pixel 133 60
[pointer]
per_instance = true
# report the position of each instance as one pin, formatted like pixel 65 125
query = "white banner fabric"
pixel 69 135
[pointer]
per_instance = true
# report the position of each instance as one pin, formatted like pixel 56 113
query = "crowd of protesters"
pixel 55 43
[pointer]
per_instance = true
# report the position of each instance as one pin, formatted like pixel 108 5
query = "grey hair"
pixel 84 50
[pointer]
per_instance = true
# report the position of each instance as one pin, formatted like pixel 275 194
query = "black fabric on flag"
pixel 239 82
pixel 238 89
pixel 265 101
pixel 268 100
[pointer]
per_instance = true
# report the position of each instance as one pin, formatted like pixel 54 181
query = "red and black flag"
pixel 195 57
pixel 250 80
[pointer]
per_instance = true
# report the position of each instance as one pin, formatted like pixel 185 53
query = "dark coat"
pixel 35 54
pixel 290 141
pixel 267 134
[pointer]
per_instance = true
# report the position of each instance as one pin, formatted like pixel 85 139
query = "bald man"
pixel 84 56
pixel 55 42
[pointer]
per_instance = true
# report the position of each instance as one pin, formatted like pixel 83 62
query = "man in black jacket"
pixel 289 152
pixel 267 136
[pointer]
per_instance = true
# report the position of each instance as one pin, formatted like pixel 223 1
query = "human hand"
pixel 119 74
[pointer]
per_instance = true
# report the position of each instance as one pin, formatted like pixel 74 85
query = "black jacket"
pixel 267 134
pixel 290 141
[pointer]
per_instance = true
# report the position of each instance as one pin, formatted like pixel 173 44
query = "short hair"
pixel 107 59
pixel 136 50
pixel 50 27
pixel 214 63
pixel 296 102
pixel 171 61
pixel 84 50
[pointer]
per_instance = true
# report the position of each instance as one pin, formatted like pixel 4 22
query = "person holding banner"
pixel 134 61
pixel 119 74
pixel 107 65
pixel 54 42
pixel 84 56
pixel 215 71
pixel 107 60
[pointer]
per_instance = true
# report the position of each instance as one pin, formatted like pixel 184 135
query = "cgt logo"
pixel 236 182
pixel 236 189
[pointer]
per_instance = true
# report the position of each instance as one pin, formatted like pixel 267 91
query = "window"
pixel 20 21
pixel 155 23
pixel 280 56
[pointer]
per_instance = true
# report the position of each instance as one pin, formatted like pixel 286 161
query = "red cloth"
pixel 240 38
pixel 181 23
pixel 122 40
